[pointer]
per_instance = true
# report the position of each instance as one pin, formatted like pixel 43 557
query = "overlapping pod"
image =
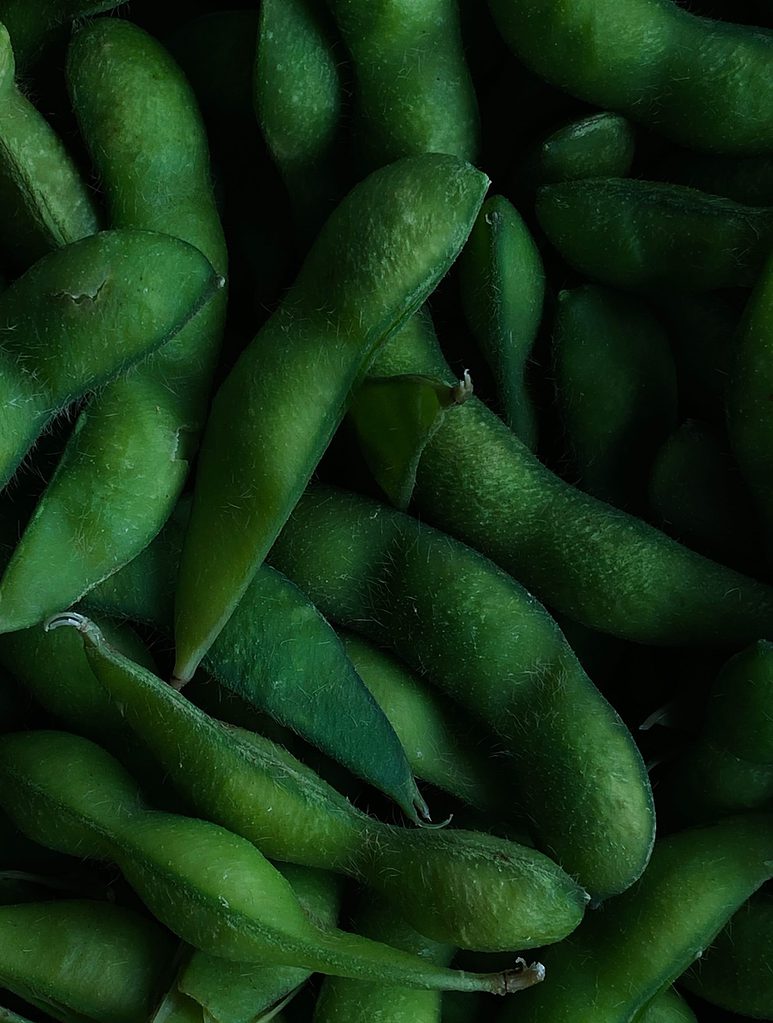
pixel 704 83
pixel 413 91
pixel 377 258
pixel 128 458
pixel 600 145
pixel 623 956
pixel 597 565
pixel 616 389
pixel 464 888
pixel 491 646
pixel 502 284
pixel 655 237
pixel 355 1001
pixel 84 960
pixel 79 317
pixel 45 202
pixel 210 887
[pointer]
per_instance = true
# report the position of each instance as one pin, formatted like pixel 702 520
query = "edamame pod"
pixel 667 1007
pixel 697 495
pixel 598 146
pixel 650 236
pixel 735 972
pixel 703 83
pixel 749 416
pixel 80 316
pixel 280 655
pixel 298 96
pixel 412 88
pixel 127 461
pixel 33 25
pixel 502 285
pixel 212 888
pixel 257 789
pixel 84 960
pixel 45 203
pixel 624 955
pixel 377 258
pixel 236 993
pixel 356 1001
pixel 616 387
pixel 450 613
pixel 606 569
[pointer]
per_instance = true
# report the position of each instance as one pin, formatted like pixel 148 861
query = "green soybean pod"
pixel 79 317
pixel 412 88
pixel 735 972
pixel 279 654
pixel 127 461
pixel 616 389
pixel 600 145
pixel 623 956
pixel 379 255
pixel 605 569
pixel 521 898
pixel 749 418
pixel 238 993
pixel 666 1007
pixel 491 646
pixel 696 493
pixel 84 960
pixel 357 1001
pixel 212 888
pixel 298 95
pixel 650 236
pixel 45 202
pixel 32 26
pixel 442 748
pixel 502 283
pixel 702 83
pixel 740 709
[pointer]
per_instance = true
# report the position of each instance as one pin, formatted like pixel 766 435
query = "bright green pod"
pixel 357 1001
pixel 605 569
pixel 84 960
pixel 442 747
pixel 749 415
pixel 649 236
pixel 210 887
pixel 45 203
pixel 79 317
pixel 235 993
pixel 703 83
pixel 33 25
pixel 622 957
pixel 377 258
pixel 735 972
pixel 616 389
pixel 697 495
pixel 479 636
pixel 598 146
pixel 502 286
pixel 298 95
pixel 667 1007
pixel 278 654
pixel 127 461
pixel 412 88
pixel 260 791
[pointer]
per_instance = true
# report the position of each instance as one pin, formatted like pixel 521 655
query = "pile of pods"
pixel 386 451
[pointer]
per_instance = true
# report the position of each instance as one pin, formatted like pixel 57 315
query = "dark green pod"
pixel 667 1007
pixel 735 972
pixel 502 283
pixel 598 146
pixel 33 25
pixel 627 952
pixel 654 237
pixel 616 390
